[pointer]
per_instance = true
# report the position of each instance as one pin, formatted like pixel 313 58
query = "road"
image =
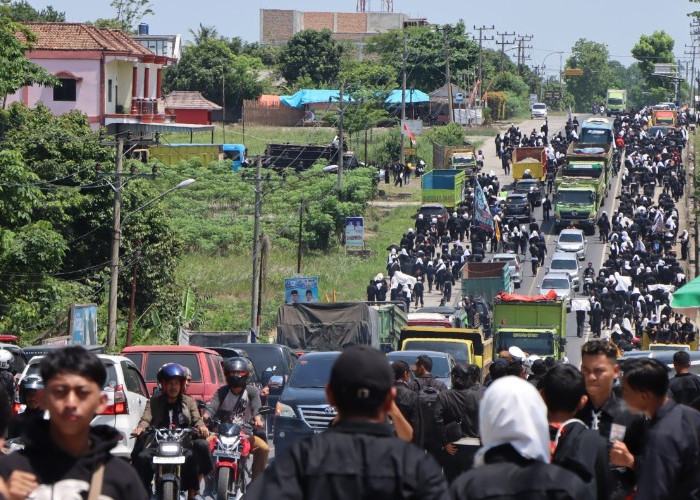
pixel 595 250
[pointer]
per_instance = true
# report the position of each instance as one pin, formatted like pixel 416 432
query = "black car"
pixel 518 207
pixel 430 211
pixel 532 188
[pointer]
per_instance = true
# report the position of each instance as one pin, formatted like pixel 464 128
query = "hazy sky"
pixel 556 25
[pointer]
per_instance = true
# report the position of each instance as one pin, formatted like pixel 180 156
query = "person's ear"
pixel 582 402
pixel 616 369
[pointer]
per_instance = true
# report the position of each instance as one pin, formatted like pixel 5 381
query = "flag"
pixel 498 231
pixel 658 226
pixel 482 214
pixel 409 134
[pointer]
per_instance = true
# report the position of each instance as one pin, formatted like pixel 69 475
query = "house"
pixel 190 107
pixel 104 73
pixel 161 45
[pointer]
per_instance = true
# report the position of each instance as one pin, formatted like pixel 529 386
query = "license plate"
pixel 169 460
pixel 319 431
pixel 226 454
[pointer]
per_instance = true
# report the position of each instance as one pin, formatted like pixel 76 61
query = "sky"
pixel 554 24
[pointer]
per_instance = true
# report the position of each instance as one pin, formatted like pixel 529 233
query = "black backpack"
pixel 427 397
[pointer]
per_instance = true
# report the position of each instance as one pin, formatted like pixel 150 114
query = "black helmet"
pixel 237 364
pixel 171 370
pixel 29 383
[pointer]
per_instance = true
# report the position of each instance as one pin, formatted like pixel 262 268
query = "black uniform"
pixel 353 460
pixel 459 409
pixel 407 401
pixel 684 388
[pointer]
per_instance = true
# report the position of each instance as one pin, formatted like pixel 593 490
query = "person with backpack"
pixel 574 446
pixel 457 421
pixel 428 388
pixel 407 400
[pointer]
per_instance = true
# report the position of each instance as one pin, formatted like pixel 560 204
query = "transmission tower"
pixel 387 5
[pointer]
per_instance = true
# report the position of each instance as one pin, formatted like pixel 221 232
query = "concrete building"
pixel 277 26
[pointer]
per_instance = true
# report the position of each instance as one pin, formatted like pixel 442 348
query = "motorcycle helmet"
pixel 237 371
pixel 29 383
pixel 171 370
pixel 6 359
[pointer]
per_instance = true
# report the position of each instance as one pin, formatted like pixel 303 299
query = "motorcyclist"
pixel 28 396
pixel 6 378
pixel 238 400
pixel 172 408
pixel 589 272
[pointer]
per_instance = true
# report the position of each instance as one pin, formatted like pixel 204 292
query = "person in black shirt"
pixel 685 386
pixel 30 397
pixel 668 467
pixel 407 400
pixel 424 365
pixel 358 457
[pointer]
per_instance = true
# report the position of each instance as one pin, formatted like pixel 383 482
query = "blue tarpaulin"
pixel 310 96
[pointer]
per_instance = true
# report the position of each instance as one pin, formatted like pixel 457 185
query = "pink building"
pixel 104 73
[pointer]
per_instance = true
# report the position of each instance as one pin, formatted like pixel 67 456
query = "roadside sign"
pixel 354 232
pixel 300 290
pixel 83 324
pixel 533 99
pixel 573 72
pixel 409 151
pixel 459 97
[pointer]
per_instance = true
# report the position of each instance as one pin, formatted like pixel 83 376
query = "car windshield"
pixel 431 211
pixel 112 378
pixel 582 197
pixel 539 106
pixel 555 283
pixel 264 358
pixel 569 265
pixel 441 368
pixel 526 185
pixel 531 343
pixel 571 238
pixel 516 199
pixel 458 350
pixel 312 373
pixel 595 136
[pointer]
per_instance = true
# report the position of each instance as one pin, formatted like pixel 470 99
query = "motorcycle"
pixel 168 460
pixel 587 282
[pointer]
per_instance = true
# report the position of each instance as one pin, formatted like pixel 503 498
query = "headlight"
pixel 557 215
pixel 282 410
pixel 169 449
pixel 592 216
pixel 228 440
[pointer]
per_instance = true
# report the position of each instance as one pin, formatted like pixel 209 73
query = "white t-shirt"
pixel 243 410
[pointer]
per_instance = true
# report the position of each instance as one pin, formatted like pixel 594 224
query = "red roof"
pixel 77 36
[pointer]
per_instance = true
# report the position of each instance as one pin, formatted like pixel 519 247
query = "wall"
pixel 318 21
pixel 350 23
pixel 276 25
pixel 380 22
pixel 195 116
pixel 120 72
pixel 281 116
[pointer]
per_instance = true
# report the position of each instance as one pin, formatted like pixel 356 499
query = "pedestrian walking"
pixel 546 207
pixel 418 292
pixel 534 258
pixel 685 239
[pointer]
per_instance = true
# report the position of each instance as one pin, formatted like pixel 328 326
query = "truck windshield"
pixel 595 136
pixel 582 197
pixel 440 367
pixel 458 350
pixel 532 343
pixel 615 101
pixel 312 373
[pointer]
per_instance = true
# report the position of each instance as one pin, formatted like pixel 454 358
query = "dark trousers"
pixel 197 461
pixel 546 214
pixel 534 267
pixel 462 461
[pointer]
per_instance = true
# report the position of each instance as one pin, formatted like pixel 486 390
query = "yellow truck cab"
pixel 466 345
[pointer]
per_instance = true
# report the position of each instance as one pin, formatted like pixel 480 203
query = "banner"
pixel 299 290
pixel 354 232
pixel 482 214
pixel 83 324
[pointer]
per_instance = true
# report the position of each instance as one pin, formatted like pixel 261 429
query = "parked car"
pixel 442 363
pixel 566 262
pixel 513 260
pixel 434 210
pixel 518 207
pixel 205 365
pixel 44 349
pixel 302 409
pixel 126 393
pixel 538 110
pixel 666 357
pixel 572 240
pixel 533 188
pixel 560 283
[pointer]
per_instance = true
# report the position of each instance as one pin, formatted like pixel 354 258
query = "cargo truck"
pixel 445 187
pixel 486 279
pixel 663 118
pixel 532 159
pixel 534 324
pixel 616 102
pixel 392 319
pixel 454 157
pixel 466 345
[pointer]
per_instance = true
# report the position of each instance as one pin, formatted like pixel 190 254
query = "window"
pixel 66 91
pixel 212 371
pixel 109 90
pixel 133 380
pixel 136 358
pixel 157 359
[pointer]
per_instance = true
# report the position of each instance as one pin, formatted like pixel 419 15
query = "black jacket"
pixel 353 460
pixel 668 468
pixel 506 475
pixel 61 475
pixel 408 403
pixel 460 406
pixel 684 388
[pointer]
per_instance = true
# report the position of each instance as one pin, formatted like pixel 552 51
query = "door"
pixel 136 395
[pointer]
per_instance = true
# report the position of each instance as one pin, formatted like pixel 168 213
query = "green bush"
pixel 451 134
pixel 516 105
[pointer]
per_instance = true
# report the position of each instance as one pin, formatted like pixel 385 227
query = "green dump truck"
pixel 445 187
pixel 486 279
pixel 454 157
pixel 392 319
pixel 536 326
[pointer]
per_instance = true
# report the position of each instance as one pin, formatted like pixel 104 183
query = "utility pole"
pixel 341 112
pixel 503 44
pixel 482 39
pixel 520 41
pixel 132 302
pixel 223 104
pixel 403 102
pixel 256 251
pixel 691 102
pixel 302 206
pixel 447 77
pixel 114 261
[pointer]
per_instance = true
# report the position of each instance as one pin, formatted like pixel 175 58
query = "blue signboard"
pixel 482 214
pixel 300 290
pixel 83 324
pixel 354 232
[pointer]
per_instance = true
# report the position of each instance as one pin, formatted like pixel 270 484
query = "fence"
pixel 255 113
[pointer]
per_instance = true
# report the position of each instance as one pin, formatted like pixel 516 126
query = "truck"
pixel 327 327
pixel 533 323
pixel 172 154
pixel 529 158
pixel 445 187
pixel 392 319
pixel 466 345
pixel 663 117
pixel 616 101
pixel 454 157
pixel 279 156
pixel 211 339
pixel 486 279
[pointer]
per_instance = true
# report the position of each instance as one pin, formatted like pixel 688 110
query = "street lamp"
pixel 544 66
pixel 114 264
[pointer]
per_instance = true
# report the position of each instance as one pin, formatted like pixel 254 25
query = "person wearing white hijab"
pixel 513 461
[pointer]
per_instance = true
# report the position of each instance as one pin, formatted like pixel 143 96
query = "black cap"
pixel 360 379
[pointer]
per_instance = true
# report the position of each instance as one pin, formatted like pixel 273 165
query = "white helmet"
pixel 6 359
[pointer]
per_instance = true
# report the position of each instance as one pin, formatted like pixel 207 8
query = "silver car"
pixel 565 262
pixel 513 260
pixel 538 110
pixel 572 240
pixel 560 283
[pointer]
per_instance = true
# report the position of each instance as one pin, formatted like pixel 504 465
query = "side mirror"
pixel 267 375
pixel 276 385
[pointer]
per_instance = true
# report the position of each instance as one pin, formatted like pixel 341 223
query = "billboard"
pixel 300 290
pixel 83 324
pixel 354 232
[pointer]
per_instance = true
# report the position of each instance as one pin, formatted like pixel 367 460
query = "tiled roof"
pixel 181 99
pixel 77 36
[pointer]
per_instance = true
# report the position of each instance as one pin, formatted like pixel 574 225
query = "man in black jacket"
pixel 65 457
pixel 668 468
pixel 581 450
pixel 407 400
pixel 358 457
pixel 424 377
pixel 685 386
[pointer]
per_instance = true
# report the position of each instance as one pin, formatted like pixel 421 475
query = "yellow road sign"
pixel 573 72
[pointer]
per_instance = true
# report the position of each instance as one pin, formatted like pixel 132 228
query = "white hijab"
pixel 513 412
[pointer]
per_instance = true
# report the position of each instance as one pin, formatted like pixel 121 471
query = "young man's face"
pixel 635 400
pixel 72 401
pixel 32 399
pixel 600 373
pixel 172 387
